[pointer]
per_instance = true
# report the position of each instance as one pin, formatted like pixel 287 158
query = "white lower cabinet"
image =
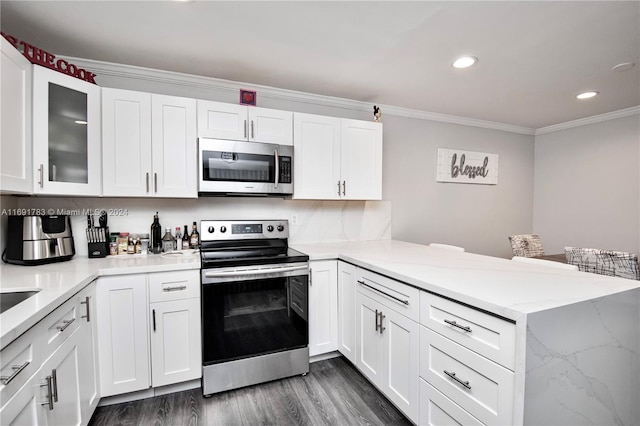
pixel 387 352
pixel 437 410
pixel 347 310
pixel 63 390
pixel 175 341
pixel 123 339
pixel 149 329
pixel 323 307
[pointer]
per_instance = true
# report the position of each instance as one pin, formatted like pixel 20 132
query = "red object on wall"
pixel 41 57
pixel 247 97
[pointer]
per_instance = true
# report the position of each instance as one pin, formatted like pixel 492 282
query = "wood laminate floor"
pixel 333 393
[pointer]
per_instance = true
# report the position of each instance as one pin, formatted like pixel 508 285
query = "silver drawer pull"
pixel 406 302
pixel 176 288
pixel 454 377
pixel 455 324
pixel 67 323
pixel 17 369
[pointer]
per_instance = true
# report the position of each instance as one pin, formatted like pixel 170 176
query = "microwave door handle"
pixel 277 168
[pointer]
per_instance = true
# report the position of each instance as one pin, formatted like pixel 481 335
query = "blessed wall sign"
pixel 459 166
pixel 41 57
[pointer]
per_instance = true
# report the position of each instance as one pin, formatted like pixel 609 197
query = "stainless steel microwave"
pixel 244 168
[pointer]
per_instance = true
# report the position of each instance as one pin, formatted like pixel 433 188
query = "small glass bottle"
pixel 131 244
pixel 156 239
pixel 178 239
pixel 168 241
pixel 185 239
pixel 194 239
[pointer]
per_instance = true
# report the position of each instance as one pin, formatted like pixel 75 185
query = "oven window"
pixel 237 167
pixel 248 318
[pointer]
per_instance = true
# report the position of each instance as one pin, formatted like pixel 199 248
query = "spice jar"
pixel 131 246
pixel 144 243
pixel 113 243
pixel 123 242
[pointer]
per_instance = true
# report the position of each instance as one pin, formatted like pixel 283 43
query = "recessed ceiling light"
pixel 587 95
pixel 80 122
pixel 623 66
pixel 465 62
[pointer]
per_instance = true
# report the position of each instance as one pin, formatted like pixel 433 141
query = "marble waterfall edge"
pixel 583 363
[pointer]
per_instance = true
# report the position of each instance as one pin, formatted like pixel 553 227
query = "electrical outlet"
pixel 294 219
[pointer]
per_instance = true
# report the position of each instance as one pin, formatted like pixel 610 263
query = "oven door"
pixel 253 311
pixel 244 167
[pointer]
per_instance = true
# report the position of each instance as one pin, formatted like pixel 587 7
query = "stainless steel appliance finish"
pixel 254 304
pixel 36 240
pixel 244 168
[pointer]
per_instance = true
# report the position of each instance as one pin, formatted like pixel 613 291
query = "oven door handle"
pixel 213 274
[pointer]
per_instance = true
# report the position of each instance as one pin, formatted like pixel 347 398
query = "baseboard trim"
pixel 150 393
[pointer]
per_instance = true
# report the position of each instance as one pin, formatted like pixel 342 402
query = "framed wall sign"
pixel 461 166
pixel 247 97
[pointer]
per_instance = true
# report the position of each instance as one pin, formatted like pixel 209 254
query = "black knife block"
pixel 99 248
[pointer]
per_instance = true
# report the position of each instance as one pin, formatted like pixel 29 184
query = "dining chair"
pixel 605 262
pixel 526 245
pixel 446 246
pixel 545 263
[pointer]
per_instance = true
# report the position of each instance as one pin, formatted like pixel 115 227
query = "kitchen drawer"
pixel 166 286
pixel 485 334
pixel 395 295
pixel 437 409
pixel 25 353
pixel 478 385
pixel 60 324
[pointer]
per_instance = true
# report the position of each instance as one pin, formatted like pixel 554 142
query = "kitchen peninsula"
pixel 576 347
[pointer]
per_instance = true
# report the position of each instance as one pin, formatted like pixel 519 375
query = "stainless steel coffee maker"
pixel 36 240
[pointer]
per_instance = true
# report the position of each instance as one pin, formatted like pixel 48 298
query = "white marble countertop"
pixel 60 281
pixel 501 286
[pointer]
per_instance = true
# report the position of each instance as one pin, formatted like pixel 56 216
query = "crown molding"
pixel 589 120
pixel 190 80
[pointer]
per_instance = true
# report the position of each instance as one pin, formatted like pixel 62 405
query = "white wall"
pixel 587 186
pixel 477 217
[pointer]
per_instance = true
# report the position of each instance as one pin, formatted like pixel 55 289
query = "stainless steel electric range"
pixel 254 304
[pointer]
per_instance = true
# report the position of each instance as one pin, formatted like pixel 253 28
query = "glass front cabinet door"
pixel 66 134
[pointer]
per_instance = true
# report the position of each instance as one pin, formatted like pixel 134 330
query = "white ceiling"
pixel 534 57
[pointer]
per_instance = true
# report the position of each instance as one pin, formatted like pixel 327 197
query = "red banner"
pixel 41 57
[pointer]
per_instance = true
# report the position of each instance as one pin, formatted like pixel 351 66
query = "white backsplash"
pixel 315 221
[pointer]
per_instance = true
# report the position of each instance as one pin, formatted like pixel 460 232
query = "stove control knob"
pixel 270 228
pixel 210 229
pixel 223 229
pixel 280 228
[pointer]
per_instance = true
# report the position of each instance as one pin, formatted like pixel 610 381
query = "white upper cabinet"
pixel 66 134
pixel 337 159
pixel 316 164
pixel 15 143
pixel 361 160
pixel 148 144
pixel 220 120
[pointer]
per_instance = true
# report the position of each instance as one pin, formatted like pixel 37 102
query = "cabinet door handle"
pixel 376 320
pixel 16 370
pixel 245 128
pixel 153 312
pixel 454 377
pixel 252 133
pixel 147 182
pixel 49 393
pixel 310 275
pixel 41 172
pixel 67 323
pixel 381 318
pixel 86 302
pixel 338 188
pixel 406 302
pixel 344 187
pixel 455 324
pixel 54 384
pixel 155 182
